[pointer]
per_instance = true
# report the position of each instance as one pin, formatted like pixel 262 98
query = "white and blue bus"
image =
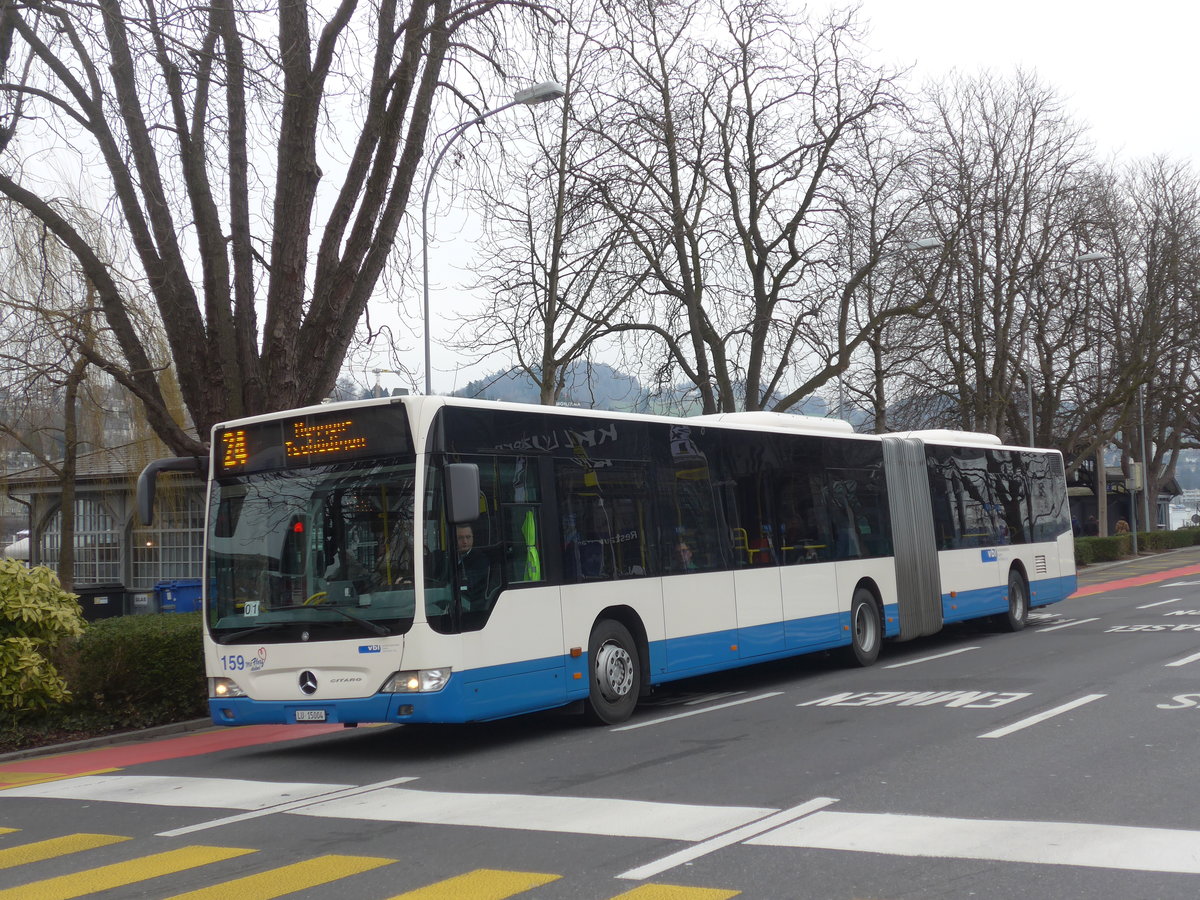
pixel 429 559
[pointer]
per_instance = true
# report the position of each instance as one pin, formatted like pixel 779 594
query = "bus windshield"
pixel 323 553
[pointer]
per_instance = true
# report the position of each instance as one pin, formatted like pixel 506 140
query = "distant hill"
pixel 600 386
pixel 588 385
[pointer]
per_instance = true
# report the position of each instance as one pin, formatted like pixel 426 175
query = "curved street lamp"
pixel 530 96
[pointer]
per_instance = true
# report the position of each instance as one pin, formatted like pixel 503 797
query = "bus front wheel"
pixel 616 673
pixel 1018 603
pixel 866 628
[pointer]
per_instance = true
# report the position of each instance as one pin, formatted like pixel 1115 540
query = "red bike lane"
pixel 110 758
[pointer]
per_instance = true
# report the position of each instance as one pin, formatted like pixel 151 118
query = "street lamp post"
pixel 530 96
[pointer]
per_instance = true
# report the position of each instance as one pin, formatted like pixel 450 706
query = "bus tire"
pixel 1018 603
pixel 866 628
pixel 615 678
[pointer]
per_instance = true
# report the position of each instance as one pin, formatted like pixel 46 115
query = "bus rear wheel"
pixel 1018 603
pixel 866 628
pixel 616 673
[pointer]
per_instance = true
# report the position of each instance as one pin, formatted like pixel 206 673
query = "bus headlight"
pixel 221 688
pixel 423 681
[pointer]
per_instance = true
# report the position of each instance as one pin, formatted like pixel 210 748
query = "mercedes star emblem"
pixel 308 682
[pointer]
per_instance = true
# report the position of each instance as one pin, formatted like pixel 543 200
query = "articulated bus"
pixel 429 559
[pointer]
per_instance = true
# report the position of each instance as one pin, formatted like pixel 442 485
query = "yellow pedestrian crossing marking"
pixel 675 892
pixel 65 887
pixel 59 846
pixel 284 880
pixel 482 884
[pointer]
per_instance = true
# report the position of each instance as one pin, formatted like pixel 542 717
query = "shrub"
pixel 1102 549
pixel 140 670
pixel 1167 540
pixel 35 615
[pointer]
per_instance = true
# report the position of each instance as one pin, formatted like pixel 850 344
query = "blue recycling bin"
pixel 178 596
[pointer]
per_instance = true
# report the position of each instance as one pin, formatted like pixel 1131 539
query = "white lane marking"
pixel 1070 624
pixel 1184 661
pixel 724 840
pixel 1049 843
pixel 711 697
pixel 925 659
pixel 572 815
pixel 285 807
pixel 384 802
pixel 163 790
pixel 1158 603
pixel 696 712
pixel 1042 716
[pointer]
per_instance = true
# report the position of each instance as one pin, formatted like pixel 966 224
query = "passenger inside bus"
pixel 683 557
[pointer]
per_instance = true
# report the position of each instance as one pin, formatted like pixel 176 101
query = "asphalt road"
pixel 1057 762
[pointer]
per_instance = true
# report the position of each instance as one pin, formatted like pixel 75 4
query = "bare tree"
pixel 170 102
pixel 550 247
pixel 1158 334
pixel 1006 168
pixel 725 159
pixel 49 330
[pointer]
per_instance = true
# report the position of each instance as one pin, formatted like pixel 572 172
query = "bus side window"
pixel 606 522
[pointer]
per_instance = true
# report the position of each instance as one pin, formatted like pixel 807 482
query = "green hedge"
pixel 1090 550
pixel 138 670
pixel 1168 540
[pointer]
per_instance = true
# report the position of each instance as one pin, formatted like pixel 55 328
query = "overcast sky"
pixel 1129 70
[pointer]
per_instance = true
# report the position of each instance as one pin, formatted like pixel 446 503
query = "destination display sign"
pixel 314 439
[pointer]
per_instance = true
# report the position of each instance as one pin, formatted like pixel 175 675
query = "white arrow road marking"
pixel 1049 843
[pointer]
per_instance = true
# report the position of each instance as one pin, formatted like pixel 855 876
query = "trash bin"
pixel 143 602
pixel 178 596
pixel 101 601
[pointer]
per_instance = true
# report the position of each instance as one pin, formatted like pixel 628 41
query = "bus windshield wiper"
pixel 373 627
pixel 246 632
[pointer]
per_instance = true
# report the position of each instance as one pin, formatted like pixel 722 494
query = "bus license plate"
pixel 310 715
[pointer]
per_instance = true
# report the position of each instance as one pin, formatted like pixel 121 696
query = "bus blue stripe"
pixel 992 600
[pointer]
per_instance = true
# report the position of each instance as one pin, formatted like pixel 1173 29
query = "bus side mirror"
pixel 149 477
pixel 462 493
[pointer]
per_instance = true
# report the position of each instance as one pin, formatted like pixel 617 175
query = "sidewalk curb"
pixel 107 740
